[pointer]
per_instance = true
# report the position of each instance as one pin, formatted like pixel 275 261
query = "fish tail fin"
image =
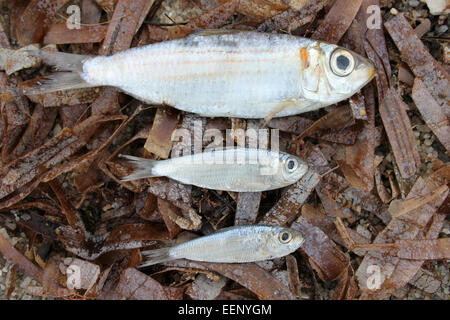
pixel 151 257
pixel 71 67
pixel 144 168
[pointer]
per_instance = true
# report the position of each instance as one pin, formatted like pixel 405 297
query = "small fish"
pixel 221 73
pixel 232 245
pixel 229 169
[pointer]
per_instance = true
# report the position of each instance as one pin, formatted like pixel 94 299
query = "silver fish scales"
pixel 229 169
pixel 222 74
pixel 232 245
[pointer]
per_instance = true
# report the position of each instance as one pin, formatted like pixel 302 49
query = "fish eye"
pixel 342 62
pixel 285 236
pixel 291 165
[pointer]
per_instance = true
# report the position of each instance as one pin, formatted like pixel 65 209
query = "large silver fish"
pixel 230 169
pixel 232 245
pixel 222 74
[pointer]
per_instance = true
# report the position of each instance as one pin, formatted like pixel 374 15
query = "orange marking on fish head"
pixel 304 57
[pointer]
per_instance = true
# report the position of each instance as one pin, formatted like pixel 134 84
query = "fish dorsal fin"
pixel 215 32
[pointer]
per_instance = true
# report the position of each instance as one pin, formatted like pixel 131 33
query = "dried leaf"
pixel 260 9
pixel 40 125
pixel 400 134
pixel 254 278
pixel 204 288
pixel 416 55
pixel 432 113
pixel 58 98
pixel 324 255
pixel 60 34
pixel 124 23
pixel 400 207
pixel 294 280
pixel 216 17
pixel 170 214
pixel 337 20
pixel 393 272
pixel 429 249
pixel 137 285
pixel 35 20
pixel 290 203
pixel 292 19
pixel 10 253
pixel 15 60
pixel 338 118
pixel 247 208
pixel 293 124
pixel 374 44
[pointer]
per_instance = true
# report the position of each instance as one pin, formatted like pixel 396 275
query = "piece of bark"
pixel 159 141
pixel 247 208
pixel 401 137
pixel 421 62
pixel 432 113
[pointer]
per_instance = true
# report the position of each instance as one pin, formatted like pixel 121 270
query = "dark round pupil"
pixel 285 236
pixel 291 164
pixel 343 62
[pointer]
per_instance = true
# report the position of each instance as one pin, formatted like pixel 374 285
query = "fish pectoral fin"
pixel 278 108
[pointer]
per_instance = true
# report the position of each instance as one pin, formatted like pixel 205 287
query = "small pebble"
pixel 394 11
pixel 442 29
pixel 413 3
